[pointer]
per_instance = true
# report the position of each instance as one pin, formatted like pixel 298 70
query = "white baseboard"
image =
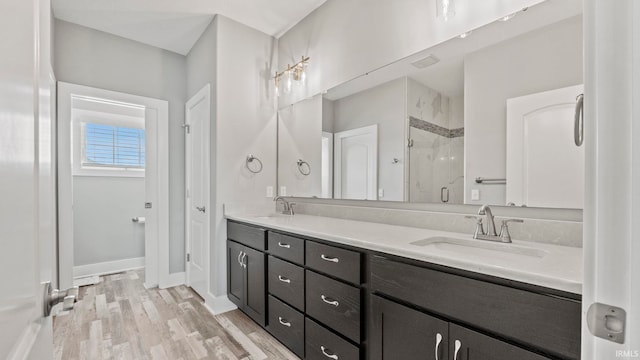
pixel 108 267
pixel 174 279
pixel 218 304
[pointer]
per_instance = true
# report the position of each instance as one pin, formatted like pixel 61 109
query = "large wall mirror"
pixel 484 118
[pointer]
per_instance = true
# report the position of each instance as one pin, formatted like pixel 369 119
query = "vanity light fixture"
pixel 297 72
pixel 445 9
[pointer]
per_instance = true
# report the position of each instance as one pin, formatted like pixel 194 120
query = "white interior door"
pixel 356 163
pixel 197 180
pixel 26 180
pixel 544 166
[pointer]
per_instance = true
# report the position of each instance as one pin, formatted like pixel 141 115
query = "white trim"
pixel 218 304
pixel 24 344
pixel 203 94
pixel 156 246
pixel 107 267
pixel 174 279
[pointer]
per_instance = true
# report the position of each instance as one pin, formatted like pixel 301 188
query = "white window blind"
pixel 108 146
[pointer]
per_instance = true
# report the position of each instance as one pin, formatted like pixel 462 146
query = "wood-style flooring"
pixel 120 319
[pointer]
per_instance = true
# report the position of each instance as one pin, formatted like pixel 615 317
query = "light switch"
pixel 475 194
pixel 269 191
pixel 283 191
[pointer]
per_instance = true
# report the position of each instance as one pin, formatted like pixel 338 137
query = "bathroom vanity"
pixel 341 289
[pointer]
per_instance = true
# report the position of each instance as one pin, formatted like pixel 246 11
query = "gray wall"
pixel 103 208
pixel 93 58
pixel 346 39
pixel 542 60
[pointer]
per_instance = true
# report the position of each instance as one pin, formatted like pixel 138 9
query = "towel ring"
pixel 301 165
pixel 251 159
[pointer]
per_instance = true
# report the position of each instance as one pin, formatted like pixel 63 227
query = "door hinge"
pixel 409 142
pixel 188 257
pixel 187 128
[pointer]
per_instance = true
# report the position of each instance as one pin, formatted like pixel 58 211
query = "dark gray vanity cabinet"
pixel 332 301
pixel 399 332
pixel 246 269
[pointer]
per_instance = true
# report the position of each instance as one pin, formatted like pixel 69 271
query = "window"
pixel 108 139
pixel 112 146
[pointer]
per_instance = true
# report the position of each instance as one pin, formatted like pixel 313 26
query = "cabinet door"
pixel 235 274
pixel 465 344
pixel 399 332
pixel 255 279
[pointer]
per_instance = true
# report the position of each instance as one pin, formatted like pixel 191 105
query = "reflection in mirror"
pixel 484 119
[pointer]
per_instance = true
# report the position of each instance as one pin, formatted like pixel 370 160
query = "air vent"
pixel 428 61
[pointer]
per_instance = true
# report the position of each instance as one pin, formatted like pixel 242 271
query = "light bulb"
pixel 288 83
pixel 445 9
pixel 303 75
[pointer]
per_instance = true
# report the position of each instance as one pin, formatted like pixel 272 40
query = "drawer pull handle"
pixel 284 322
pixel 284 279
pixel 438 341
pixel 330 301
pixel 330 259
pixel 458 345
pixel 330 356
pixel 282 245
pixel 239 260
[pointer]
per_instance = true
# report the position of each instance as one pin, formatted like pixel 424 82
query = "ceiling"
pixel 176 25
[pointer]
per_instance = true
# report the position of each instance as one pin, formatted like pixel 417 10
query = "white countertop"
pixel 551 266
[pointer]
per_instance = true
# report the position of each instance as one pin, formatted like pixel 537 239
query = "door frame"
pixel 156 250
pixel 202 94
pixel 372 193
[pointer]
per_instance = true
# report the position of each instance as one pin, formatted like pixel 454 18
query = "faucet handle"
pixel 505 236
pixel 479 228
pixel 291 208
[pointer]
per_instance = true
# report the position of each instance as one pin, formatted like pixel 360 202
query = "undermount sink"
pixel 480 247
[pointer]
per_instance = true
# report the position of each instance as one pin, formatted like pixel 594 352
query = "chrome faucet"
pixel 491 234
pixel 491 225
pixel 287 206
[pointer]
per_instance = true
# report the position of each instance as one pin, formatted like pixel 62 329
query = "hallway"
pixel 119 319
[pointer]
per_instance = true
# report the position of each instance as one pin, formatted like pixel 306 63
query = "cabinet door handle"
pixel 283 245
pixel 330 301
pixel 244 261
pixel 284 279
pixel 330 259
pixel 438 341
pixel 284 322
pixel 330 356
pixel 458 345
pixel 239 258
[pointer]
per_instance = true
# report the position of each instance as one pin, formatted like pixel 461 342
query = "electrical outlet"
pixel 269 191
pixel 475 194
pixel 283 191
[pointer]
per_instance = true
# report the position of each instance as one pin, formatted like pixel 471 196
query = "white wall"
pixel 346 39
pixel 545 59
pixel 384 105
pixel 246 122
pixel 103 208
pixel 89 57
pixel 300 137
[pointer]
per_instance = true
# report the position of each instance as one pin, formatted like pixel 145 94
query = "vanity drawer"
pixel 341 263
pixel 322 344
pixel 251 236
pixel 334 304
pixel 547 322
pixel 287 247
pixel 286 281
pixel 287 325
